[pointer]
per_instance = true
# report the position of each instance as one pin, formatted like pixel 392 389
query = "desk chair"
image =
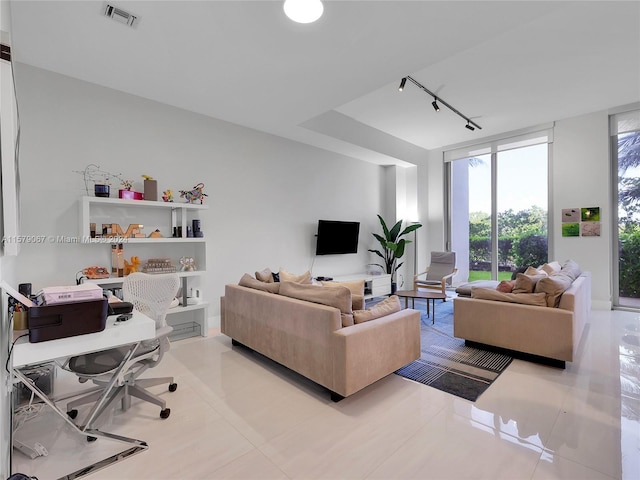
pixel 439 273
pixel 151 295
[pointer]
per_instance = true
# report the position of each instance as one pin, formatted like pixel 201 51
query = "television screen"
pixel 336 237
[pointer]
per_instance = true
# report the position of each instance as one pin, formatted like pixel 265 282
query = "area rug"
pixel 446 363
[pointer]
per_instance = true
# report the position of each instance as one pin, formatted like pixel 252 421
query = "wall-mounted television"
pixel 335 237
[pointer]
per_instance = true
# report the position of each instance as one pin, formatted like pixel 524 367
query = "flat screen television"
pixel 335 237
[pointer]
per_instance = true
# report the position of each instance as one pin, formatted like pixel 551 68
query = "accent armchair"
pixel 439 273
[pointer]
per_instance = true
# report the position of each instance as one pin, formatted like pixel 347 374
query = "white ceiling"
pixel 334 84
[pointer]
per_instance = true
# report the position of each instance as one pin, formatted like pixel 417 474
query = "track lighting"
pixel 471 125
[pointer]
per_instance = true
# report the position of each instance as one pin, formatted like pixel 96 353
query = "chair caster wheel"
pixel 72 413
pixel 173 387
pixel 91 439
pixel 165 413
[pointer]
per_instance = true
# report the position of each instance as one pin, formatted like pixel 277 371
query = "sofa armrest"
pixel 366 352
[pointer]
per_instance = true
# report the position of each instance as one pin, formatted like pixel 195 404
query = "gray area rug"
pixel 446 362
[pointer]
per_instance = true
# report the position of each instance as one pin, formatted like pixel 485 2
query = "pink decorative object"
pixel 130 195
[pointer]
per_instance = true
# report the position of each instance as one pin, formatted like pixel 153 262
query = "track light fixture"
pixel 471 125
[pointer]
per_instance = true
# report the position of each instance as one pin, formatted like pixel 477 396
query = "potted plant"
pixel 392 247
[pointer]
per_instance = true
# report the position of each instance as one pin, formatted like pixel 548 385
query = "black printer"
pixel 49 322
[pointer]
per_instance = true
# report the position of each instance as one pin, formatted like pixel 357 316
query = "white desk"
pixel 116 334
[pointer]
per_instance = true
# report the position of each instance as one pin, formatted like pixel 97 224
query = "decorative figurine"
pixel 194 194
pixel 133 266
pixel 188 264
pixel 167 195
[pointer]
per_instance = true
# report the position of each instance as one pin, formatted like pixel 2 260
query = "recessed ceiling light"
pixel 303 11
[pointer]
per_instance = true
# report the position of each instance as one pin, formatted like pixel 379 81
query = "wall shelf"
pixel 164 216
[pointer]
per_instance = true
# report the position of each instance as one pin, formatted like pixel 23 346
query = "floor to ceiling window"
pixel 625 149
pixel 498 206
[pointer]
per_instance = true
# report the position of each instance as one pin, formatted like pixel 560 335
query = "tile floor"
pixel 237 415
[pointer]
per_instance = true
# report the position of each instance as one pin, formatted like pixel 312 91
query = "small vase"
pixel 394 287
pixel 101 190
pixel 151 190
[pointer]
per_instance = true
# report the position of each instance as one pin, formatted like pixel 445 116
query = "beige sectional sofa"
pixel 546 324
pixel 318 337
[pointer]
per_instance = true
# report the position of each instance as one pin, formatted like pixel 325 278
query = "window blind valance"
pixel 625 122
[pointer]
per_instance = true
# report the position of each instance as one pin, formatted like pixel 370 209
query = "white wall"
pixel 579 178
pixel 266 193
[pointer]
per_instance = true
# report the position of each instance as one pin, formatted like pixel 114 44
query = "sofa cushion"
pixel 538 299
pixel 551 267
pixel 285 276
pixel 532 271
pixel 526 283
pixel 464 290
pixel 338 297
pixel 356 288
pixel 572 269
pixel 250 282
pixel 265 275
pixel 385 307
pixel 553 287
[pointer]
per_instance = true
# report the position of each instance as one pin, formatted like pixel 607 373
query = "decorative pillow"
pixel 338 297
pixel 537 299
pixel 250 282
pixel 553 287
pixel 525 283
pixel 285 276
pixel 506 286
pixel 551 267
pixel 385 307
pixel 517 271
pixel 572 269
pixel 265 276
pixel 532 271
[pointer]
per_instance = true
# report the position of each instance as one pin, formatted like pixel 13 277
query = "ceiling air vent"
pixel 121 16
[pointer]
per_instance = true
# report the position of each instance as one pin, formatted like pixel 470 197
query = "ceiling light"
pixel 303 11
pixel 471 125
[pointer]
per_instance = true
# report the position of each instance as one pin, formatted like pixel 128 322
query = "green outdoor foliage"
pixel 629 208
pixel 486 275
pixel 522 238
pixel 392 245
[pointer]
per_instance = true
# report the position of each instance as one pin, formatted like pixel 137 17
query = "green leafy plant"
pixel 392 245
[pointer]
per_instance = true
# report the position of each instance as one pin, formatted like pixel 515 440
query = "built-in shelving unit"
pixel 187 319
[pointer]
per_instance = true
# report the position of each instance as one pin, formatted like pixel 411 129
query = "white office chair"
pixel 151 295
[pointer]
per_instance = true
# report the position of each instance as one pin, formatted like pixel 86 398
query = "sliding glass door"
pixel 625 143
pixel 498 204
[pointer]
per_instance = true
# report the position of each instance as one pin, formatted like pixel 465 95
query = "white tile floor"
pixel 236 415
